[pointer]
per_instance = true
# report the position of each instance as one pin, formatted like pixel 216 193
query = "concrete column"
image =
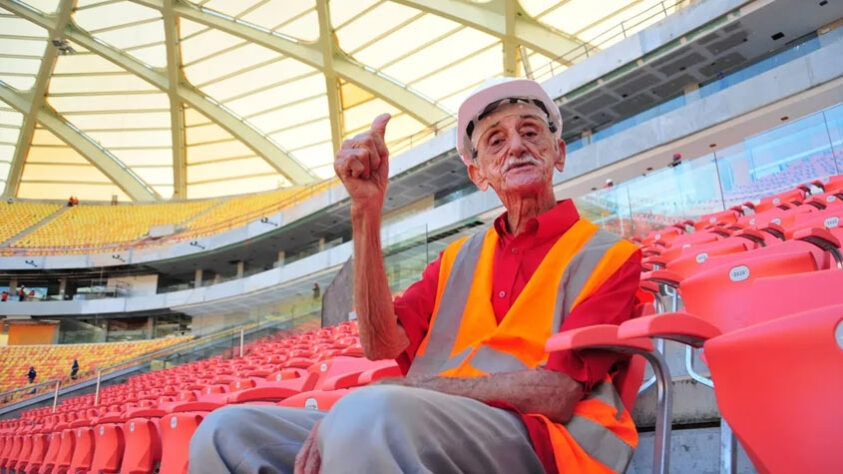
pixel 321 244
pixel 240 267
pixel 150 327
pixel 281 256
pixel 216 279
pixel 586 135
pixel 197 278
pixel 13 285
pixel 62 287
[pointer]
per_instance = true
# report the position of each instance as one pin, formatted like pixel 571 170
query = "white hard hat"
pixel 489 95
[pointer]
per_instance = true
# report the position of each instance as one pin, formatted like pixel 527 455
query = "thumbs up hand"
pixel 362 163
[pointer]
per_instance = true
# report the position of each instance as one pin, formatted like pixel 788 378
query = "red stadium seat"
pixel 65 453
pixel 83 450
pixel 176 430
pixel 108 449
pixel 315 399
pixel 36 457
pixel 779 386
pixel 143 446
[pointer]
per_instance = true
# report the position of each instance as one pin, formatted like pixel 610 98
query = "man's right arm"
pixel 362 165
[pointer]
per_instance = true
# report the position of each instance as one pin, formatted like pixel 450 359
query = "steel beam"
pixel 177 126
pixel 39 93
pixel 282 161
pixel 397 94
pixel 123 177
pixel 327 43
pixel 491 18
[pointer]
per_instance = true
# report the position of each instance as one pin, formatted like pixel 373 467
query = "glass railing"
pixel 767 163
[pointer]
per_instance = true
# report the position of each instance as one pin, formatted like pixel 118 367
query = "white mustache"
pixel 525 159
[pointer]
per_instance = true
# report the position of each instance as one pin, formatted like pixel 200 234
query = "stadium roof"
pixel 160 99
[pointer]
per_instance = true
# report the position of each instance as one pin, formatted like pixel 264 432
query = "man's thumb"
pixel 379 124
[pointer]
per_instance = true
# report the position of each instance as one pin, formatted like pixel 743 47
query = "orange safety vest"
pixel 465 339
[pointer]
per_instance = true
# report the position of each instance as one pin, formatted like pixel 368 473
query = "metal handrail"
pixel 140 359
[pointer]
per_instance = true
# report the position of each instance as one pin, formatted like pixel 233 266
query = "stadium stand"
pixel 54 361
pixel 19 216
pixel 746 295
pixel 92 226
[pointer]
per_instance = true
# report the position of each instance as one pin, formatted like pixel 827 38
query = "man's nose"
pixel 516 145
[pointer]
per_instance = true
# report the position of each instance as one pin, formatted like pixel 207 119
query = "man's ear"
pixel 476 176
pixel 559 164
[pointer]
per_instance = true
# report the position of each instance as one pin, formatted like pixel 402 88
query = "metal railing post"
pixel 242 338
pixel 97 392
pixel 56 395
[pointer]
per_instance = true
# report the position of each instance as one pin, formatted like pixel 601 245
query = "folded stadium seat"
pixel 826 200
pixel 350 374
pixel 315 399
pixel 778 385
pixel 694 258
pixel 83 449
pixel 142 452
pixel 52 452
pixel 832 183
pixel 176 430
pixel 297 362
pixel 18 463
pixel 382 372
pixel 727 217
pixel 36 457
pixel 274 390
pixel 108 448
pixel 828 218
pixel 784 200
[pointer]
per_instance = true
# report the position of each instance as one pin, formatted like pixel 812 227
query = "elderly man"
pixel 480 393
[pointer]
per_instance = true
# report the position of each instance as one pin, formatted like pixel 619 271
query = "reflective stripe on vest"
pixel 601 431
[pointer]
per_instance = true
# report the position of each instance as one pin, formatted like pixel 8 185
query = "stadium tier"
pixel 93 226
pixel 19 216
pixel 54 361
pixel 744 276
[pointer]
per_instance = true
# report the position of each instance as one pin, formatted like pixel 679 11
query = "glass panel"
pixel 671 195
pixel 776 160
pixel 608 208
pixel 834 122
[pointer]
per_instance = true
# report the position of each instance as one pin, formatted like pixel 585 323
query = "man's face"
pixel 516 151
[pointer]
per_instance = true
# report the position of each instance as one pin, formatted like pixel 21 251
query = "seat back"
pixel 176 431
pixel 778 386
pixel 83 452
pixel 108 449
pixel 68 442
pixel 143 446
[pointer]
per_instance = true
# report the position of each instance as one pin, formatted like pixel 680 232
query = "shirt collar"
pixel 548 225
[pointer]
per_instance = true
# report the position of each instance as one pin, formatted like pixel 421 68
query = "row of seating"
pixel 146 423
pixel 757 287
pixel 54 361
pixel 88 227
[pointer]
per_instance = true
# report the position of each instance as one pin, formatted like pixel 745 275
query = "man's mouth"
pixel 520 163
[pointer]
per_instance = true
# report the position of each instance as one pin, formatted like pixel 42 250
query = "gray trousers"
pixel 376 429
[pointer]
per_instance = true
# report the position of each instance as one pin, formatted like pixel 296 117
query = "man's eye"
pixel 495 142
pixel 530 133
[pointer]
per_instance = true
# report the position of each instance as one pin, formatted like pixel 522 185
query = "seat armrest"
pixel 753 235
pixel 680 327
pixel 598 336
pixel 823 239
pixel 663 277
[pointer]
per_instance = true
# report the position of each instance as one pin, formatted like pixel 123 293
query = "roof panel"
pixel 83 63
pixel 98 83
pixel 341 12
pixel 217 151
pixel 316 155
pixel 122 120
pixel 291 115
pixel 23 46
pixel 373 23
pixel 206 133
pixel 203 44
pixel 83 191
pixel 231 7
pixel 62 154
pixel 363 114
pixel 304 135
pixel 305 27
pixel 10 117
pixel 278 12
pixel 20 27
pixel 146 157
pixel 228 169
pixel 407 38
pixel 220 65
pixel 235 186
pixel 112 14
pixel 284 94
pixel 110 102
pixel 486 63
pixel 19 82
pixel 46 6
pixel 19 65
pixel 257 78
pixel 132 139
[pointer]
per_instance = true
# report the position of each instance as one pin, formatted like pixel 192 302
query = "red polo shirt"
pixel 516 259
